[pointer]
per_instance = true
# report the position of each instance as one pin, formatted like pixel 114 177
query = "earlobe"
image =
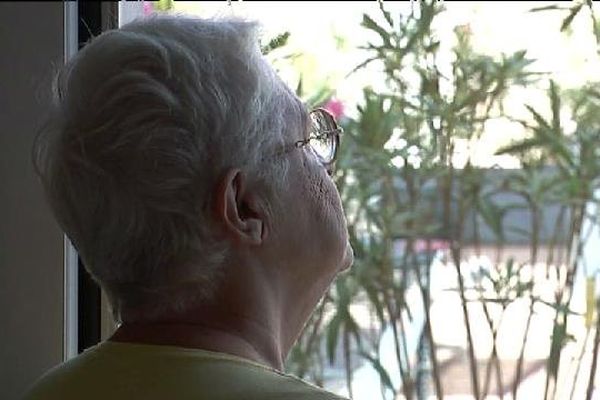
pixel 238 208
pixel 256 230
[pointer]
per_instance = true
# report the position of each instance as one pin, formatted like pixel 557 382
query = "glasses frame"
pixel 333 133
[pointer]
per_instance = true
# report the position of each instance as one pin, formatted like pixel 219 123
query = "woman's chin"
pixel 348 258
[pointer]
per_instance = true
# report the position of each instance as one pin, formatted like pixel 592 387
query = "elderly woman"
pixel 196 187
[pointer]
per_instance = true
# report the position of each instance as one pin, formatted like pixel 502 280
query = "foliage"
pixel 403 189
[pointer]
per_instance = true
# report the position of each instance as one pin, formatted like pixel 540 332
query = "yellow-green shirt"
pixel 116 371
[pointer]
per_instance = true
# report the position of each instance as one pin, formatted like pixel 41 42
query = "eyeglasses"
pixel 324 137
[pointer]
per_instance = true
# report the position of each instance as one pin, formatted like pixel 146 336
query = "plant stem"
pixel 406 385
pixel 347 361
pixel 579 360
pixel 395 309
pixel 519 369
pixel 493 360
pixel 565 293
pixel 426 295
pixel 554 239
pixel 590 387
pixel 455 249
pixel 470 348
pixel 535 228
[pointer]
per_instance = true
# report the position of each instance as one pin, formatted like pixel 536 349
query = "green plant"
pixel 573 185
pixel 400 183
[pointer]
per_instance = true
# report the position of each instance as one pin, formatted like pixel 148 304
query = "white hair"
pixel 145 120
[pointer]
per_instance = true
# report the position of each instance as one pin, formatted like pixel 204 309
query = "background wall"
pixel 31 244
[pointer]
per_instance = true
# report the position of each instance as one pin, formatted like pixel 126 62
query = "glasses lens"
pixel 324 135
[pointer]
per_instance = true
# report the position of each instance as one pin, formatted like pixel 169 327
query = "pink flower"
pixel 335 107
pixel 148 7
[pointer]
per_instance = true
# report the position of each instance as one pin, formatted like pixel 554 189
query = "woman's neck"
pixel 247 319
pixel 253 343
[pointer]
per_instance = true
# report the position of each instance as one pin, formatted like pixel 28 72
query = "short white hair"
pixel 145 120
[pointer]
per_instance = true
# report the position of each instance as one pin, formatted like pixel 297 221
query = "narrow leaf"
pixel 386 15
pixel 369 23
pixel 567 21
pixel 277 42
pixel 555 104
pixel 333 329
pixel 547 8
pixel 520 146
pixel 383 374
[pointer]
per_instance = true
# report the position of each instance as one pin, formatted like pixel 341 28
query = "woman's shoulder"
pixel 131 371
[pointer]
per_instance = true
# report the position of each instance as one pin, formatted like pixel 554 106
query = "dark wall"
pixel 31 243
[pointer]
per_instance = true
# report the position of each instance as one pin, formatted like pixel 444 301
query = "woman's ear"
pixel 239 208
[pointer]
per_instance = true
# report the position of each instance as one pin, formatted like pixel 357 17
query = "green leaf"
pixel 548 8
pixel 277 42
pixel 386 15
pixel 362 65
pixel 375 302
pixel 559 308
pixel 381 371
pixel 552 139
pixel 163 5
pixel 538 118
pixel 369 23
pixel 567 21
pixel 343 293
pixel 523 287
pixel 352 327
pixel 492 215
pixel 559 335
pixel 520 146
pixel 555 104
pixel 333 329
pixel 299 88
